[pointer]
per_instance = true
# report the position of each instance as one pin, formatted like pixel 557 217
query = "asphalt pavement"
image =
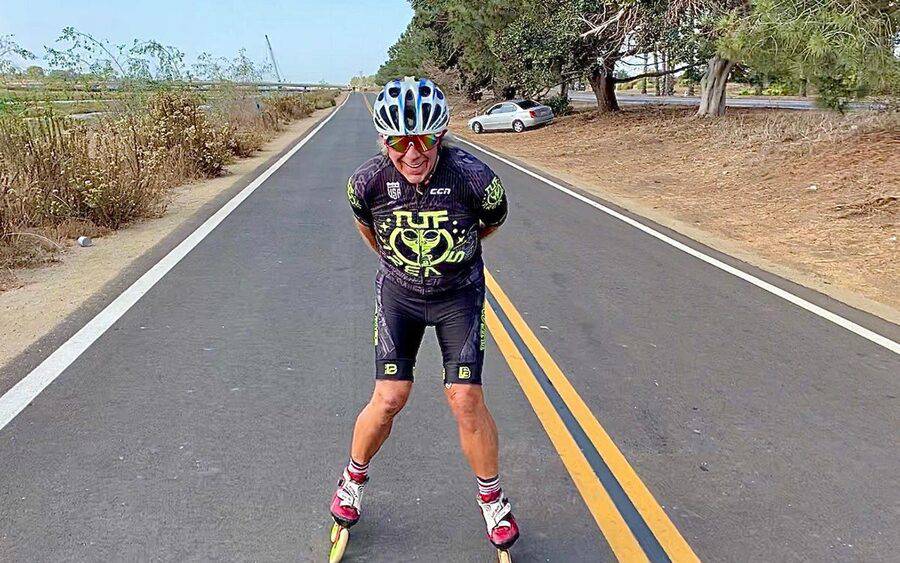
pixel 211 420
pixel 731 101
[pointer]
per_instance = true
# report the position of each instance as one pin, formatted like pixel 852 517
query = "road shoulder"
pixel 57 299
pixel 656 212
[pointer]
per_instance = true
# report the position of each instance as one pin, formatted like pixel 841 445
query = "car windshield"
pixel 527 104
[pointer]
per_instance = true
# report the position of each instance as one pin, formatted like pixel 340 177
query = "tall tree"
pixel 618 29
pixel 845 48
pixel 541 47
pixel 82 53
pixel 703 23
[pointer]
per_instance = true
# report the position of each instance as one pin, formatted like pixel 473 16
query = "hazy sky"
pixel 313 40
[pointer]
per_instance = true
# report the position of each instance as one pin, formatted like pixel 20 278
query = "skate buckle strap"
pixel 495 513
pixel 350 492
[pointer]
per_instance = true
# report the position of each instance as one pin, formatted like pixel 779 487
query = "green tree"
pixel 209 67
pixel 451 36
pixel 524 48
pixel 243 69
pixel 539 49
pixel 845 48
pixel 407 55
pixel 9 50
pixel 84 54
pixel 628 28
pixel 363 81
pixel 702 23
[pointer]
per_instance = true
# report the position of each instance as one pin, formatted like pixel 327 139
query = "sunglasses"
pixel 424 143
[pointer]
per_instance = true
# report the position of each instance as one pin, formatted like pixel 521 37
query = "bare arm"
pixel 368 235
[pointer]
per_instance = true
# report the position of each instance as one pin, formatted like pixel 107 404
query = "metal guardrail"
pixel 301 86
pixel 199 84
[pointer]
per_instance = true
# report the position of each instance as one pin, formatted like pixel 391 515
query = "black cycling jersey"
pixel 427 235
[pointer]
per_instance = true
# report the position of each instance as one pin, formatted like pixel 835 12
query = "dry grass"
pixel 816 192
pixel 61 178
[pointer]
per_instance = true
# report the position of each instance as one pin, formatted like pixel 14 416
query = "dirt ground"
pixel 41 298
pixel 813 197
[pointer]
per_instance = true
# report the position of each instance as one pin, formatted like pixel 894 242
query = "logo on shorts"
pixel 393 189
pixel 390 369
pixel 464 372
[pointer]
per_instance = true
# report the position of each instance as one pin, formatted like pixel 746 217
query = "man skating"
pixel 424 207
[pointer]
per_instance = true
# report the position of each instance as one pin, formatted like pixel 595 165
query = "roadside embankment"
pixel 43 297
pixel 60 178
pixel 810 196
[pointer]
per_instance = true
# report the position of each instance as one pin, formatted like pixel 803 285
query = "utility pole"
pixel 272 56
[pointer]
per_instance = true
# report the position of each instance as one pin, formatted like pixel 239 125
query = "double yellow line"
pixel 630 539
pixel 634 524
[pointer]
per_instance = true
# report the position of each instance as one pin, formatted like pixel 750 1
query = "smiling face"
pixel 414 164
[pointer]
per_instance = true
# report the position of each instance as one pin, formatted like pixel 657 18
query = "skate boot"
pixel 345 509
pixel 502 529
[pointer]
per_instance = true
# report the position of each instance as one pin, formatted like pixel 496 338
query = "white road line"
pixel 25 391
pixel 774 290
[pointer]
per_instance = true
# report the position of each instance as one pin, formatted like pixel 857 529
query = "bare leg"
pixel 477 431
pixel 373 425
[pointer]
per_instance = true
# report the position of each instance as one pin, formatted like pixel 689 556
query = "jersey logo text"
pixel 393 189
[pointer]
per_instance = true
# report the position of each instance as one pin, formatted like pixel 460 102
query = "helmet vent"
pixel 426 112
pixel 388 120
pixel 381 96
pixel 410 116
pixel 439 94
pixel 394 92
pixel 424 91
pixel 438 112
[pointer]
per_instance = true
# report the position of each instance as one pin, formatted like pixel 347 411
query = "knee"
pixel 466 402
pixel 388 404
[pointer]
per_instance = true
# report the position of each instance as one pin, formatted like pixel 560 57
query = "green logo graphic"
pixel 483 334
pixel 419 241
pixel 493 195
pixel 375 324
pixel 351 195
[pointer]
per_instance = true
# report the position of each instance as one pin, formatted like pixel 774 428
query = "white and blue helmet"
pixel 410 107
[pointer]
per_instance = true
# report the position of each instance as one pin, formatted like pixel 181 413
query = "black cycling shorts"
pixel 400 320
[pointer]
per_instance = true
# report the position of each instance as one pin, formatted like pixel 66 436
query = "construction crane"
pixel 272 56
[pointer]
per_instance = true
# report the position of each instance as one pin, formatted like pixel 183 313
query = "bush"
pixel 56 172
pixel 559 105
pixel 52 171
pixel 244 142
pixel 292 106
pixel 178 125
pixel 779 89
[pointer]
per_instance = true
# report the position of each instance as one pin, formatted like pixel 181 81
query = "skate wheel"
pixel 503 556
pixel 334 531
pixel 339 543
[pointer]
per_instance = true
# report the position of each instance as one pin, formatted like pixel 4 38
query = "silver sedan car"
pixel 517 115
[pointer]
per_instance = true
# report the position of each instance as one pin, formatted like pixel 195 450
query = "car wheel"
pixel 477 127
pixel 518 126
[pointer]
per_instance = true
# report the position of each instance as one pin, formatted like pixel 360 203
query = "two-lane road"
pixel 650 404
pixel 732 102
